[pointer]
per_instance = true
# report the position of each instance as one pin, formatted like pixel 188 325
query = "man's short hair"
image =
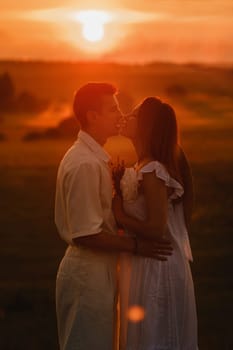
pixel 89 98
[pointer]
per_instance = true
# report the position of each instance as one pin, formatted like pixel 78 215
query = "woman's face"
pixel 129 126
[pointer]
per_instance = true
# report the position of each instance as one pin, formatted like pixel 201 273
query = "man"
pixel 86 279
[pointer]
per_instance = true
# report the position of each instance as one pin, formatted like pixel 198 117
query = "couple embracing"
pixel 148 265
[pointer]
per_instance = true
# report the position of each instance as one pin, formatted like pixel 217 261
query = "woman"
pixel 155 204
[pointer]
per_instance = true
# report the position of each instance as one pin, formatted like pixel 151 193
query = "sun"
pixel 93 24
pixel 93 31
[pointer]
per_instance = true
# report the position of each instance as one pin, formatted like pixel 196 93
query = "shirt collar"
pixel 94 146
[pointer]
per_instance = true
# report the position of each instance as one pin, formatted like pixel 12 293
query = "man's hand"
pixel 158 249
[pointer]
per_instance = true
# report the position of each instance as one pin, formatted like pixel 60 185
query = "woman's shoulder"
pixel 161 172
pixel 150 165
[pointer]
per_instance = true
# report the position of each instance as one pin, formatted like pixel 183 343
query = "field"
pixel 30 249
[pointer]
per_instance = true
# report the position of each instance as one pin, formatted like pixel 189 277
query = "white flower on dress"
pixel 129 184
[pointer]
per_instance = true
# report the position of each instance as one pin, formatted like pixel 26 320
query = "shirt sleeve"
pixel 83 202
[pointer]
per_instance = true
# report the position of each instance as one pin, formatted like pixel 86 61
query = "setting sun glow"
pixel 93 22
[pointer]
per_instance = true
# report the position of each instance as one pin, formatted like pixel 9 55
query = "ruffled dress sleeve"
pixel 162 173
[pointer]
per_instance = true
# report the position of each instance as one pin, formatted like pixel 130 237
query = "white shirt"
pixel 84 191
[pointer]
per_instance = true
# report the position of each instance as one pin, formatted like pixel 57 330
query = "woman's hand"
pixel 117 207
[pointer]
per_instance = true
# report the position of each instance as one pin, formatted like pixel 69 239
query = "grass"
pixel 212 246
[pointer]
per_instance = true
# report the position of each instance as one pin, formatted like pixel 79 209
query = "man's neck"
pixel 96 136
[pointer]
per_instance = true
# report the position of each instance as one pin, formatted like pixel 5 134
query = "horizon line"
pixel 116 62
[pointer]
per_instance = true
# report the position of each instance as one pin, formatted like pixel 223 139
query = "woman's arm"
pixel 155 225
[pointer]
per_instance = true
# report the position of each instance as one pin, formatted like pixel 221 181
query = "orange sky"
pixel 139 31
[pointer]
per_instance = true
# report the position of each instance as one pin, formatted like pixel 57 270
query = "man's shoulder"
pixel 78 156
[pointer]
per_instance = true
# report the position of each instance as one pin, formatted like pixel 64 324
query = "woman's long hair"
pixel 158 133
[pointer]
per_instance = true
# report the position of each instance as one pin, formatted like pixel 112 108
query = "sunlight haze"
pixel 133 31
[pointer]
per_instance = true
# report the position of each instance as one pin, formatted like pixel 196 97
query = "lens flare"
pixel 136 313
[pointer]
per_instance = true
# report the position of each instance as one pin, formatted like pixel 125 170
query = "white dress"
pixel 163 289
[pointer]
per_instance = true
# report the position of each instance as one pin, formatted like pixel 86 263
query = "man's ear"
pixel 91 117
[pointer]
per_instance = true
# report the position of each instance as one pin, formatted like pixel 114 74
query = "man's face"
pixel 109 116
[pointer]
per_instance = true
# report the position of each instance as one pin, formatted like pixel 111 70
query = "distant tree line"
pixel 67 128
pixel 3 137
pixel 24 102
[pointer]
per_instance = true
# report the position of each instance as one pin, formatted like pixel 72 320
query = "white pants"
pixel 86 300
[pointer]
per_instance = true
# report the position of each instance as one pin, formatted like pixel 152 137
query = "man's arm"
pixel 112 243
